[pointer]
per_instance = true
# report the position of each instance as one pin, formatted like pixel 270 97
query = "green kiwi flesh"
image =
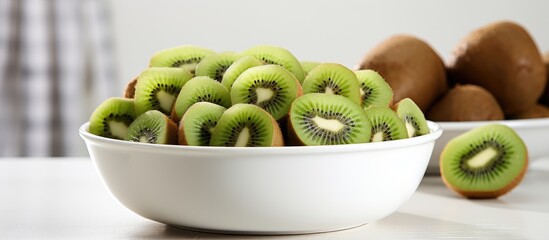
pixel 308 66
pixel 215 65
pixel 269 54
pixel 112 118
pixel 485 162
pixel 386 125
pixel 237 68
pixel 374 90
pixel 325 119
pixel 198 122
pixel 246 125
pixel 153 127
pixel 158 87
pixel 413 117
pixel 333 78
pixel 200 89
pixel 270 87
pixel 186 57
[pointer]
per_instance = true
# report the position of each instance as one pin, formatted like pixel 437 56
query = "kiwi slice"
pixel 112 118
pixel 269 54
pixel 154 127
pixel 270 87
pixel 308 66
pixel 485 162
pixel 325 119
pixel 129 92
pixel 413 117
pixel 200 89
pixel 237 68
pixel 374 90
pixel 158 87
pixel 215 65
pixel 246 125
pixel 198 123
pixel 386 125
pixel 333 78
pixel 186 57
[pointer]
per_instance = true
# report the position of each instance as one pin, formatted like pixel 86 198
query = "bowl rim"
pixel 514 123
pixel 436 132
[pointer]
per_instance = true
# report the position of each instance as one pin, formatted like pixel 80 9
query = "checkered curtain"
pixel 55 67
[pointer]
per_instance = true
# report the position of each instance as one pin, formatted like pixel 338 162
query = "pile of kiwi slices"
pixel 262 96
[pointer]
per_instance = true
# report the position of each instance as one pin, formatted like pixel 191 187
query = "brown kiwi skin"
pixel 536 111
pixel 504 59
pixel 466 103
pixel 129 92
pixel 411 67
pixel 545 97
pixel 172 131
pixel 488 194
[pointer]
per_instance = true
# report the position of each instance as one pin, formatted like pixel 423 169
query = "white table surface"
pixel 64 198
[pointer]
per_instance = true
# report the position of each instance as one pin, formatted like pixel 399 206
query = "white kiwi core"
pixel 410 129
pixel 263 94
pixel 333 125
pixel 166 100
pixel 118 129
pixel 378 137
pixel 243 138
pixel 482 158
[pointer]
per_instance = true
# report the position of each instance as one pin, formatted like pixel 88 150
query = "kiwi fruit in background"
pixel 326 119
pixel 237 68
pixel 485 162
pixel 545 97
pixel 270 87
pixel 186 57
pixel 374 90
pixel 153 127
pixel 269 54
pixel 307 66
pixel 411 67
pixel 215 65
pixel 198 122
pixel 386 125
pixel 129 91
pixel 503 58
pixel 158 87
pixel 333 78
pixel 412 116
pixel 112 118
pixel 536 111
pixel 200 89
pixel 466 103
pixel 246 125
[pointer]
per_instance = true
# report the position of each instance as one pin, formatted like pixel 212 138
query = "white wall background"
pixel 331 31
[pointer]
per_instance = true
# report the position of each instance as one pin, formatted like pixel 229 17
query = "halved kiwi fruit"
pixel 200 89
pixel 237 68
pixel 246 125
pixel 485 162
pixel 269 54
pixel 154 127
pixel 215 65
pixel 374 90
pixel 270 87
pixel 386 125
pixel 413 117
pixel 112 118
pixel 186 57
pixel 333 78
pixel 158 87
pixel 325 119
pixel 197 125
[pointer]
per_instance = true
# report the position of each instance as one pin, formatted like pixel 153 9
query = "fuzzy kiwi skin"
pixel 482 194
pixel 536 111
pixel 411 67
pixel 129 92
pixel 504 59
pixel 466 103
pixel 545 97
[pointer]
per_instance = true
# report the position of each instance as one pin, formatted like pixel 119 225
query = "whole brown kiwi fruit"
pixel 411 67
pixel 466 103
pixel 502 58
pixel 545 97
pixel 536 111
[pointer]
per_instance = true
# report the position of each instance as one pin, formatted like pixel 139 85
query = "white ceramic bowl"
pixel 264 190
pixel 534 132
